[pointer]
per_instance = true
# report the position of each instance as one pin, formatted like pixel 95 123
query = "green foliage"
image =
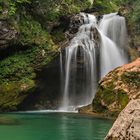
pixel 134 4
pixel 9 7
pixel 105 6
pixel 18 74
pixel 21 66
pixel 18 71
pixel 136 11
pixel 52 10
pixel 74 6
pixel 58 35
pixel 16 68
pixel 31 32
pixel 13 93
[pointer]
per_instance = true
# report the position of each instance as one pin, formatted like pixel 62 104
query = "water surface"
pixel 52 126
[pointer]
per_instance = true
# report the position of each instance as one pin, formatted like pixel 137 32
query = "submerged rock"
pixel 8 121
pixel 127 125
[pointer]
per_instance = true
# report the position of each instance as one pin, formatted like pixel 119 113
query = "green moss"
pixel 131 78
pixel 13 93
pixel 97 106
pixel 122 99
pixel 107 95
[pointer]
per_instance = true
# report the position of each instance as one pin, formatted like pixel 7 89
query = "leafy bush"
pixel 103 6
pixel 9 7
pixel 31 32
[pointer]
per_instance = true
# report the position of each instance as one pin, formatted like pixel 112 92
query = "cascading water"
pixel 113 27
pixel 93 52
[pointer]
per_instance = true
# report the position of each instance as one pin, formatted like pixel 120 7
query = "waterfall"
pixel 93 52
pixel 113 26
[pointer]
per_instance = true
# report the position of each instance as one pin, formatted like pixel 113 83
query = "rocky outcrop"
pixel 7 35
pixel 127 125
pixel 117 88
pixel 133 30
pixel 86 109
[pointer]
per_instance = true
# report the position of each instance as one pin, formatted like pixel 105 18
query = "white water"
pixel 113 26
pixel 92 53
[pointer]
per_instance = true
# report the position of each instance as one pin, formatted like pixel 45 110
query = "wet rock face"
pixel 127 125
pixel 7 35
pixel 76 22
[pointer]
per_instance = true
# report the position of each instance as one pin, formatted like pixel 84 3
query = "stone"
pixel 117 88
pixel 7 34
pixel 127 125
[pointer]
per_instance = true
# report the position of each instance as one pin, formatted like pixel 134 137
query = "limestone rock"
pixel 127 125
pixel 117 88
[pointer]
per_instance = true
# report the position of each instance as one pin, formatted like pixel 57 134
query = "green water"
pixel 52 126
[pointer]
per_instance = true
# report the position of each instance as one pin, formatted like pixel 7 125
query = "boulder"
pixel 127 125
pixel 117 88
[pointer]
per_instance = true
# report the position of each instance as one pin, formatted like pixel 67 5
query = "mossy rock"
pixel 132 78
pixel 117 88
pixel 109 101
pixel 13 93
